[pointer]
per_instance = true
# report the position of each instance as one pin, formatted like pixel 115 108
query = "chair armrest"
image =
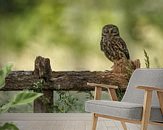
pixel 110 88
pixel 149 88
pixel 103 85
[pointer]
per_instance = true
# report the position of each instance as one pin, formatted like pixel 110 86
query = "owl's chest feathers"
pixel 107 38
pixel 113 40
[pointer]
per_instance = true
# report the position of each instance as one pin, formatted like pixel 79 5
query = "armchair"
pixel 137 106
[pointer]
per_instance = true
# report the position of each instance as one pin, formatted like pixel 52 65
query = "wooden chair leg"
pixel 124 125
pixel 146 110
pixel 112 94
pixel 94 122
pixel 97 93
pixel 160 98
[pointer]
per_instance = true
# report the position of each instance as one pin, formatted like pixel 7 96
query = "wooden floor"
pixel 68 121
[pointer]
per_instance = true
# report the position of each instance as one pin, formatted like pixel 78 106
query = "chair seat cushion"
pixel 131 111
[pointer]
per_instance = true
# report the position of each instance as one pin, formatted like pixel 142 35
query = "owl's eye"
pixel 106 30
pixel 114 30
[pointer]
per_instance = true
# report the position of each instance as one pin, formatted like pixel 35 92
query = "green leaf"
pixel 147 62
pixel 25 97
pixel 3 73
pixel 5 107
pixel 8 126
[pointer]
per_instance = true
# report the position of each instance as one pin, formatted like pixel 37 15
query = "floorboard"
pixel 57 121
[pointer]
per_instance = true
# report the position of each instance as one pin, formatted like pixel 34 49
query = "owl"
pixel 112 44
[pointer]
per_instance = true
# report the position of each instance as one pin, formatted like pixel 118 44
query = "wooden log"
pixel 43 68
pixel 64 80
pixel 44 104
pixel 43 71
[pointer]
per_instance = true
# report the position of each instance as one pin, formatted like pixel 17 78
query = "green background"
pixel 69 31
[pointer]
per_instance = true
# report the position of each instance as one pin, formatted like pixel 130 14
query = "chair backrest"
pixel 143 77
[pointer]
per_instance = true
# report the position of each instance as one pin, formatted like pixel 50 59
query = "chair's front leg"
pixel 94 122
pixel 146 109
pixel 97 96
pixel 124 125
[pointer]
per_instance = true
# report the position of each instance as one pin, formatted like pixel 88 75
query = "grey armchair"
pixel 141 104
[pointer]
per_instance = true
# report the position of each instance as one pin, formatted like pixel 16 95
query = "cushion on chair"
pixel 125 110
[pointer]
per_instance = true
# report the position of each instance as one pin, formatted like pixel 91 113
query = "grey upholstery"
pixel 131 105
pixel 115 108
pixel 125 110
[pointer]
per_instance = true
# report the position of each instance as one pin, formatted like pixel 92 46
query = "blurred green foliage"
pixel 73 101
pixel 66 102
pixel 3 74
pixel 147 61
pixel 73 23
pixel 21 98
pixel 9 126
